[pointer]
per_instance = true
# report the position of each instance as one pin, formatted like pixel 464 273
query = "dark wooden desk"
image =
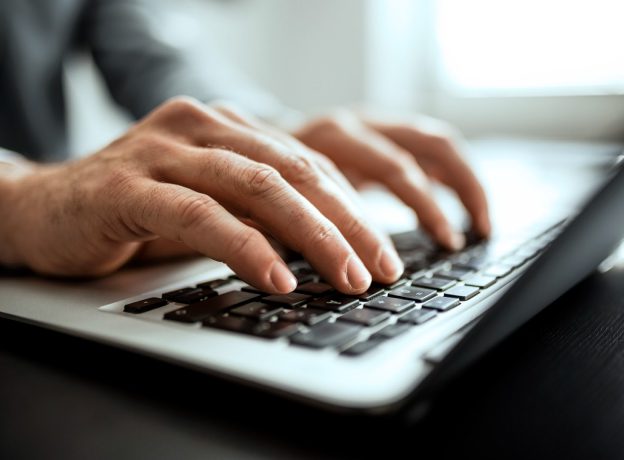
pixel 553 389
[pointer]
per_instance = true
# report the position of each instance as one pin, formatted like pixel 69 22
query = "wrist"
pixel 12 176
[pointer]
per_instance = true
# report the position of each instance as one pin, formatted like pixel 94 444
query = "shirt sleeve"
pixel 7 156
pixel 142 69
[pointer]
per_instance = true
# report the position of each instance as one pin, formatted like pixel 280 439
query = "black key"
pixel 441 303
pixel 397 283
pixel 291 300
pixel 472 263
pixel 275 329
pixel 365 316
pixel 362 347
pixel 462 292
pixel 338 304
pixel 418 316
pixel 392 331
pixel 213 284
pixel 454 273
pixel 372 292
pixel 433 283
pixel 480 281
pixel 256 310
pixel 141 306
pixel 305 275
pixel 417 294
pixel 231 323
pixel 170 295
pixel 194 295
pixel 327 335
pixel 390 304
pixel 309 316
pixel 314 288
pixel 254 290
pixel 202 310
pixel 498 271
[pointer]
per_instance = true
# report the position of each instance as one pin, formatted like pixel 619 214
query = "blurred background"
pixel 537 68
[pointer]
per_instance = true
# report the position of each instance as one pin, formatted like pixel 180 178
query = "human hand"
pixel 404 158
pixel 210 178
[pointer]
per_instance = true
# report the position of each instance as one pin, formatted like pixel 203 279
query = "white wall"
pixel 308 53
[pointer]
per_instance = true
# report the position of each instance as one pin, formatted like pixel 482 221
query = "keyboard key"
pixel 498 271
pixel 327 335
pixel 372 292
pixel 514 260
pixel 141 306
pixel 172 294
pixel 201 310
pixel 194 295
pixel 397 283
pixel 254 290
pixel 454 273
pixel 275 329
pixel 441 303
pixel 231 323
pixel 309 316
pixel 213 284
pixel 417 294
pixel 338 304
pixel 480 281
pixel 313 288
pixel 291 300
pixel 391 331
pixel 462 292
pixel 418 316
pixel 256 310
pixel 362 347
pixel 365 316
pixel 390 304
pixel 440 284
pixel 305 275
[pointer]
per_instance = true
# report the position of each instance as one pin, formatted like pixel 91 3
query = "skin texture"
pixel 193 178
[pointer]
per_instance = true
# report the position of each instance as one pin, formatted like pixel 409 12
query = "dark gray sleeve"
pixel 142 70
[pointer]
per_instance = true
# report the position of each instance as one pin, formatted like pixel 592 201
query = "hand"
pixel 210 178
pixel 404 158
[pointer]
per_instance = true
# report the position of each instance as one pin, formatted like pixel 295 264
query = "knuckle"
pixel 299 170
pixel 186 110
pixel 240 243
pixel 320 235
pixel 355 228
pixel 195 211
pixel 262 180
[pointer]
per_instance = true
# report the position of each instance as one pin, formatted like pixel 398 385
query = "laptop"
pixel 370 353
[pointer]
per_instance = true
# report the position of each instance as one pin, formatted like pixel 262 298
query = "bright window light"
pixel 562 46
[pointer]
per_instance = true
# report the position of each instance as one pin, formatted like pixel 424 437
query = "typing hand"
pixel 209 178
pixel 404 158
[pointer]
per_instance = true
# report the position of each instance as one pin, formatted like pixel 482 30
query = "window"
pixel 531 46
pixel 541 68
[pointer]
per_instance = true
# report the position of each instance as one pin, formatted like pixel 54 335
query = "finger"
pixel 440 158
pixel 257 191
pixel 196 220
pixel 317 178
pixel 379 159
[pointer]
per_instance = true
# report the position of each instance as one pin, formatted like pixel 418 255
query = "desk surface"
pixel 555 387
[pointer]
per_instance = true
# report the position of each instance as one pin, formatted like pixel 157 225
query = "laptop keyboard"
pixel 317 317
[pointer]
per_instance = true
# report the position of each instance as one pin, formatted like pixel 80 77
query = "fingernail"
pixel 390 264
pixel 282 278
pixel 357 274
pixel 456 241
